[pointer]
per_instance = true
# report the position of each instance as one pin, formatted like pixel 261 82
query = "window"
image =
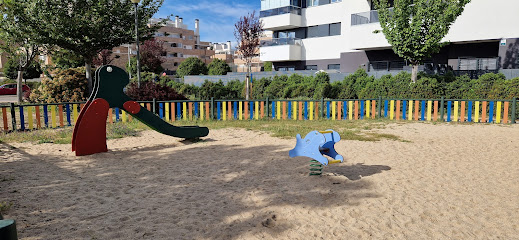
pixel 311 67
pixel 324 30
pixel 335 29
pixel 334 66
pixel 310 3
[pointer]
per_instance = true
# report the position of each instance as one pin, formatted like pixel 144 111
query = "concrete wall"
pixel 509 54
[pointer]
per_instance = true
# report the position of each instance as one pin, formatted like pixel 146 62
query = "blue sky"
pixel 217 17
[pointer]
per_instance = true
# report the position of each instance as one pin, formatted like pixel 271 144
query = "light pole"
pixel 136 3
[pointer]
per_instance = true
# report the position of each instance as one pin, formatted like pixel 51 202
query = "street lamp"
pixel 136 3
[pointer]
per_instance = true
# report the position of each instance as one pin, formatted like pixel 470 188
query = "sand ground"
pixel 444 182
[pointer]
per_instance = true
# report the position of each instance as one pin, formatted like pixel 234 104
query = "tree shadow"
pixel 205 190
pixel 358 171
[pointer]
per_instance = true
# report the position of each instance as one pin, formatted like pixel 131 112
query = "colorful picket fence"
pixel 29 117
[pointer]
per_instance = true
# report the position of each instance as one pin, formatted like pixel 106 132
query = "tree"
pixel 415 28
pixel 85 27
pixel 18 41
pixel 191 66
pixel 218 67
pixel 267 66
pixel 247 32
pixel 103 58
pixel 66 59
pixel 33 70
pixel 150 56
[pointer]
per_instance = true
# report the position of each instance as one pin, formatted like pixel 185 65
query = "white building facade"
pixel 338 34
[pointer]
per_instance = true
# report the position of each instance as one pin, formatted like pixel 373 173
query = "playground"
pixel 436 181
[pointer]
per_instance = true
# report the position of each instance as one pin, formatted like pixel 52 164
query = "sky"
pixel 217 17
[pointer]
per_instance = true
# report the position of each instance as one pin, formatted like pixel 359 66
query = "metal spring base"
pixel 316 168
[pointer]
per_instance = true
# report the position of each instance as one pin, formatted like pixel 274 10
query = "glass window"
pixel 311 67
pixel 312 32
pixel 334 66
pixel 335 29
pixel 323 30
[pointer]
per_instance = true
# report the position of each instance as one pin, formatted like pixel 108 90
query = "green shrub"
pixel 218 67
pixel 66 85
pixel 267 66
pixel 191 66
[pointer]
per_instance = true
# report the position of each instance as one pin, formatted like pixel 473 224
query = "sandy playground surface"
pixel 447 182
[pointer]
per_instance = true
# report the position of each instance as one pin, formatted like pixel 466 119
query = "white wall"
pixel 283 21
pixel 281 53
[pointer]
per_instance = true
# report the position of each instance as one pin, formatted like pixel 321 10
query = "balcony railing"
pixel 366 17
pixel 281 10
pixel 280 42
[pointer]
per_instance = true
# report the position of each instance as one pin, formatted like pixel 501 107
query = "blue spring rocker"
pixel 316 144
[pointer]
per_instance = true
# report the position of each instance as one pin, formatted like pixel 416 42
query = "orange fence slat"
pixel 4 117
pixel 484 112
pixel 435 111
pixel 300 110
pixel 339 108
pixel 462 116
pixel 110 118
pixel 397 109
pixel 190 110
pixel 229 110
pixel 38 118
pixel 60 114
pixel 262 109
pixel 246 108
pixel 284 110
pixel 316 107
pixel 416 109
pixel 373 109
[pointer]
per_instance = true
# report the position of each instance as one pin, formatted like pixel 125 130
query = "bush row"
pixel 359 86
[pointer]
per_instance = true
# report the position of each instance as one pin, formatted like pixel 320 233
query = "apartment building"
pixel 223 51
pixel 179 43
pixel 338 34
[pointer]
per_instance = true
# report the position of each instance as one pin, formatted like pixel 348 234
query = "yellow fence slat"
pixel 392 109
pixel 311 111
pixel 256 110
pixel 456 110
pixel 350 110
pixel 202 110
pixel 184 106
pixel 124 117
pixel 498 112
pixel 410 114
pixel 53 115
pixel 294 110
pixel 29 116
pixel 74 112
pixel 333 110
pixel 368 104
pixel 429 110
pixel 224 112
pixel 240 110
pixel 278 110
pixel 167 111
pixel 476 112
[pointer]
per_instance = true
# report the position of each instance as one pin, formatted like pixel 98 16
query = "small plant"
pixel 5 206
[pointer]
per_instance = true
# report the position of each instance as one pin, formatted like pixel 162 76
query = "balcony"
pixel 366 17
pixel 281 18
pixel 281 49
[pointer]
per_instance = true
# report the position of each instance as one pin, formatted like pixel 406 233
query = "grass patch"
pixel 286 129
pixel 5 206
pixel 64 135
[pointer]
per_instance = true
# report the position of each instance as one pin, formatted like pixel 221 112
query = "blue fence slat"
pixel 116 114
pixel 22 119
pixel 306 110
pixel 218 106
pixel 161 110
pixel 469 113
pixel 404 109
pixel 449 110
pixel 289 110
pixel 327 110
pixel 179 111
pixel 273 110
pixel 251 110
pixel 235 109
pixel 345 110
pixel 491 112
pixel 385 108
pixel 67 108
pixel 46 116
pixel 197 114
pixel 423 111
pixel 362 113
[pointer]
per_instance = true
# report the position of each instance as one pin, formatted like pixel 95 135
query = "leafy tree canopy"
pixel 192 66
pixel 218 67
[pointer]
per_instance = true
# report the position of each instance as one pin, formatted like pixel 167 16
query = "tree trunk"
pixel 247 92
pixel 89 78
pixel 414 73
pixel 19 87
